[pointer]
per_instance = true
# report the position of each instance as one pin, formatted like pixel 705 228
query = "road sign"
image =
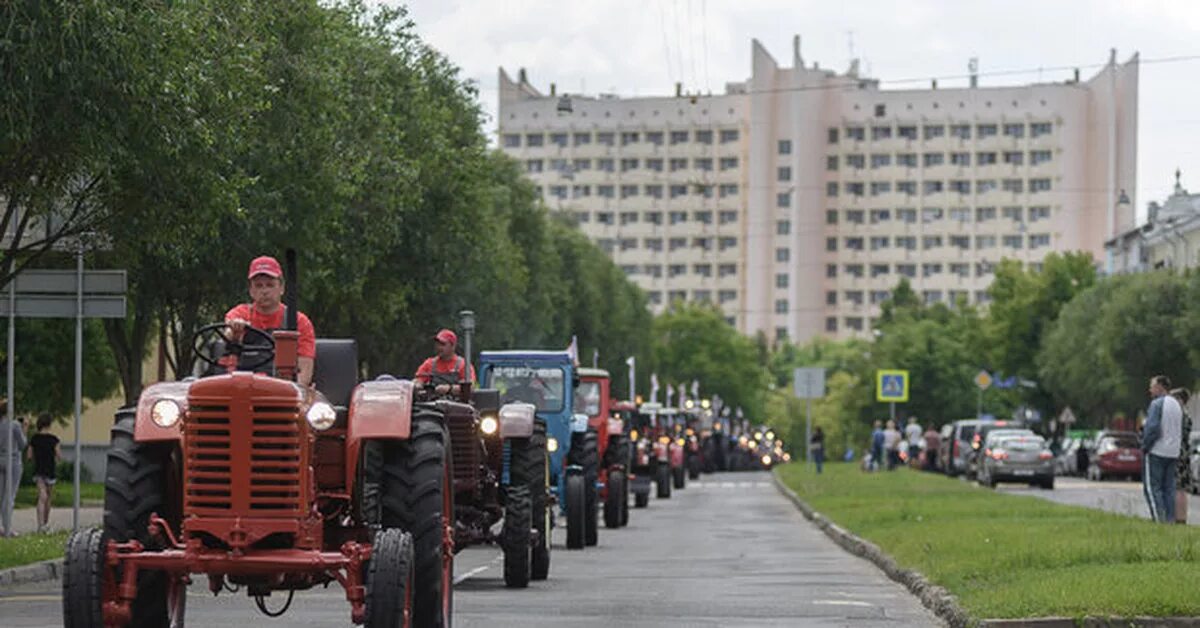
pixel 63 282
pixel 809 382
pixel 1067 417
pixel 983 380
pixel 66 306
pixel 891 385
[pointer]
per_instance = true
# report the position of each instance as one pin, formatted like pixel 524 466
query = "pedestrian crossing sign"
pixel 891 385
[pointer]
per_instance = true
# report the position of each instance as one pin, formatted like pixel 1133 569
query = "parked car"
pixel 958 444
pixel 1194 461
pixel 1115 454
pixel 980 437
pixel 1008 456
pixel 1067 462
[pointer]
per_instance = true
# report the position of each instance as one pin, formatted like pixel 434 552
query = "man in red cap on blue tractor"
pixel 447 368
pixel 266 310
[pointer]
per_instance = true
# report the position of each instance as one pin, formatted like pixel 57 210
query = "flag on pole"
pixel 595 358
pixel 669 393
pixel 573 350
pixel 631 362
pixel 695 389
pixel 654 387
pixel 682 394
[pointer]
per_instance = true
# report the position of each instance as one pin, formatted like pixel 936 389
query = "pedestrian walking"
pixel 44 452
pixel 876 447
pixel 9 484
pixel 816 447
pixel 933 443
pixel 1183 482
pixel 891 443
pixel 912 440
pixel 1161 438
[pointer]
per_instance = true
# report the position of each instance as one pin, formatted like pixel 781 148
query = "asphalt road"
pixel 1122 497
pixel 727 551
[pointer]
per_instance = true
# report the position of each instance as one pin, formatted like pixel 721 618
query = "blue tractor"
pixel 547 379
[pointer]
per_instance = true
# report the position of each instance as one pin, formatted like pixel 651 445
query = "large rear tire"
pixel 576 503
pixel 694 468
pixel 624 503
pixel 389 580
pixel 641 500
pixel 615 499
pixel 680 476
pixel 536 470
pixel 586 454
pixel 517 528
pixel 417 497
pixel 663 480
pixel 135 486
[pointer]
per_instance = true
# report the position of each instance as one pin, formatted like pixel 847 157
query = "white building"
pixel 798 199
pixel 1170 238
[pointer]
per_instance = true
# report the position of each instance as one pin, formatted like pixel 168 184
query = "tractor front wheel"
pixel 616 499
pixel 663 480
pixel 694 468
pixel 576 503
pixel 641 500
pixel 389 580
pixel 517 529
pixel 534 469
pixel 680 475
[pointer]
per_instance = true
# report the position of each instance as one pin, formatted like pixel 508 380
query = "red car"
pixel 1115 454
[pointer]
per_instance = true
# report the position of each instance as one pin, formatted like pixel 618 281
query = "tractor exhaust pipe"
pixel 292 290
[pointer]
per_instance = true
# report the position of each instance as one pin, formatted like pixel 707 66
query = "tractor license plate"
pixel 1126 458
pixel 1023 472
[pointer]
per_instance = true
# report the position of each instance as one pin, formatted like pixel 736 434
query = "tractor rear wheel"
pixel 135 486
pixel 641 500
pixel 615 500
pixel 517 528
pixel 663 480
pixel 586 453
pixel 531 466
pixel 680 476
pixel 576 503
pixel 389 580
pixel 417 497
pixel 624 503
pixel 693 468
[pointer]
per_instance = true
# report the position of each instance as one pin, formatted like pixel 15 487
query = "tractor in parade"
pixel 592 398
pixel 547 380
pixel 692 418
pixel 658 453
pixel 256 482
pixel 639 463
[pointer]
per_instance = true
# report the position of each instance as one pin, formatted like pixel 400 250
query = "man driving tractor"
pixel 446 366
pixel 266 310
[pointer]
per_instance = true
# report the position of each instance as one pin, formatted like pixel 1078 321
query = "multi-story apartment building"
pixel 799 198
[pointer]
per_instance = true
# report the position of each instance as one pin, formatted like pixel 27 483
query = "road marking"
pixel 30 598
pixel 478 570
pixel 843 603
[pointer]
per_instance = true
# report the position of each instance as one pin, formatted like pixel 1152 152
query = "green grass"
pixel 31 548
pixel 1011 556
pixel 64 495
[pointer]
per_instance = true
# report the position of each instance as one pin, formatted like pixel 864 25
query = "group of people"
pixel 42 449
pixel 892 447
pixel 1165 473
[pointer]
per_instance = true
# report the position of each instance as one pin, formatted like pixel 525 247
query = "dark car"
pixel 1115 454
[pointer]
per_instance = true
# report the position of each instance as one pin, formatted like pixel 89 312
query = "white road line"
pixel 843 603
pixel 473 572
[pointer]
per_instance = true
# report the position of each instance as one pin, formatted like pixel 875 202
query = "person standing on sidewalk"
pixel 1161 438
pixel 8 485
pixel 912 441
pixel 933 442
pixel 891 443
pixel 876 447
pixel 45 453
pixel 816 447
pixel 1183 483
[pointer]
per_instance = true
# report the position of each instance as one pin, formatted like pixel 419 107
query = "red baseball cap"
pixel 265 265
pixel 447 337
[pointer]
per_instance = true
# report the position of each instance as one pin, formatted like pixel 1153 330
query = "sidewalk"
pixel 25 519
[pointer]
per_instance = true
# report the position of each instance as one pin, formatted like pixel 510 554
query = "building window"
pixel 582 139
pixel 985 158
pixel 606 244
pixel 1013 241
pixel 831 163
pixel 534 139
pixel 558 165
pixel 907 270
pixel 931 242
pixel 908 243
pixel 907 132
pixel 725 243
pixel 831 217
pixel 906 215
pixel 512 140
pixel 985 241
pixel 782 254
pixel 703 270
pixel 932 296
pixel 854 243
pixel 879 270
pixel 934 159
pixel 704 137
pixel 879 296
pixel 855 216
pixel 729 135
pixel 1014 130
pixel 960 186
pixel 1011 213
pixel 558 191
pixel 606 138
pixel 559 139
pixel 727 216
pixel 604 218
pixel 983 269
pixel 1039 213
pixel 654 218
pixel 726 270
pixel 880 110
pixel 1038 157
pixel 986 130
pixel 729 163
pixel 984 186
pixel 628 218
pixel 703 164
pixel 678 190
pixel 880 187
pixel 934 132
pixel 629 164
pixel 781 280
pixel 831 270
pixel 880 215
pixel 831 189
pixel 679 137
pixel 727 189
pixel 653 244
pixel 831 297
pixel 961 214
pixel 629 137
pixel 628 244
pixel 855 188
pixel 830 323
pixel 856 133
pixel 654 297
pixel 783 227
pixel 678 163
pixel 677 217
pixel 781 306
pixel 583 217
pixel 653 270
pixel 784 173
pixel 933 187
pixel 830 244
pixel 654 191
pixel 931 214
pixel 984 214
pixel 854 323
pixel 1038 129
pixel 533 165
pixel 605 165
pixel 961 242
pixel 1014 158
pixel 833 135
pixel 962 270
pixel 1039 185
pixel 605 191
pixel 929 270
pixel 675 270
pixel 677 243
pixel 879 132
pixel 878 243
pixel 858 162
pixel 960 159
pixel 1039 240
pixel 654 137
pixel 982 296
pixel 725 296
pixel 783 199
pixel 961 131
pixel 785 147
pixel 677 295
pixel 907 160
pixel 581 164
pixel 1016 186
pixel 854 270
pixel 880 160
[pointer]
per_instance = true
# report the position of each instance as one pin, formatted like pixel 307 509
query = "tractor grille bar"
pixel 243 458
pixel 465 450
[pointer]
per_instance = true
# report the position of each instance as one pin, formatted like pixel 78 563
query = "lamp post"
pixel 466 322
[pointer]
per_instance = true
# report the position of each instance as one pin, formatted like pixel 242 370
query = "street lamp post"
pixel 466 322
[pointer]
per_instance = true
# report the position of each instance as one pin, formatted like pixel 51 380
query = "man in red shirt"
pixel 446 366
pixel 265 311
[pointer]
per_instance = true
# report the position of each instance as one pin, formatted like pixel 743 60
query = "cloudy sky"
pixel 642 47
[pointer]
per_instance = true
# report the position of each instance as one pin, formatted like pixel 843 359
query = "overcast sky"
pixel 642 47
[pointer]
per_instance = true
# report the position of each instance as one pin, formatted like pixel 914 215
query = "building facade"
pixel 798 199
pixel 1170 238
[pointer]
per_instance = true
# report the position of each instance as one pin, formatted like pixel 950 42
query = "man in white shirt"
pixel 1161 437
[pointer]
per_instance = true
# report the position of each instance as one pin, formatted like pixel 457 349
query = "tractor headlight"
pixel 679 442
pixel 766 460
pixel 165 413
pixel 770 435
pixel 551 444
pixel 633 435
pixel 488 425
pixel 321 416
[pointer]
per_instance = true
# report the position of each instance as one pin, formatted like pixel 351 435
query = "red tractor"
pixel 256 482
pixel 592 397
pixel 659 448
pixel 640 460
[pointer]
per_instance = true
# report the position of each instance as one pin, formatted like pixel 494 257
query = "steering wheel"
pixel 206 334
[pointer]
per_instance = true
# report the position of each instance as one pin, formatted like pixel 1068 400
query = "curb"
pixel 935 598
pixel 34 572
pixel 942 602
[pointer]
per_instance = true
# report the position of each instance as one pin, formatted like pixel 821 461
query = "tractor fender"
pixel 145 430
pixel 380 409
pixel 516 420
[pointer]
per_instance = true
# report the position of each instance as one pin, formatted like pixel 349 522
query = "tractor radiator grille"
pixel 249 466
pixel 465 450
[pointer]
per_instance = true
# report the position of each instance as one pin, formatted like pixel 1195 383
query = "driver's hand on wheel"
pixel 442 389
pixel 236 328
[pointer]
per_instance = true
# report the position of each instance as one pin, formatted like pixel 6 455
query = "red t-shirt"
pixel 438 365
pixel 308 338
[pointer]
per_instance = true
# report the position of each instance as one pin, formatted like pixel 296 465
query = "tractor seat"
pixel 335 372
